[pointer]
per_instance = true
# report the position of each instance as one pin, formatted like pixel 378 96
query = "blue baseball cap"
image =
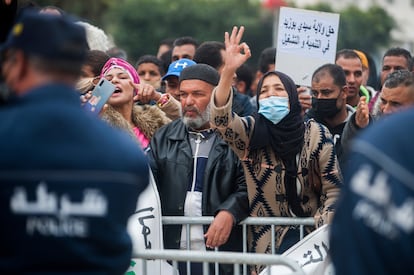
pixel 47 36
pixel 176 67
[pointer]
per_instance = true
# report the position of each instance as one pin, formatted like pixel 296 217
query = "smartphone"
pixel 100 95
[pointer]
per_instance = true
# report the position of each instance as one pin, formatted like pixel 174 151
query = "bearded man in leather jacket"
pixel 197 173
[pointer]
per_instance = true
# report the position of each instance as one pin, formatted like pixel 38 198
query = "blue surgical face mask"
pixel 274 108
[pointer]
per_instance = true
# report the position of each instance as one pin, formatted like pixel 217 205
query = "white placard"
pixel 306 40
pixel 311 253
pixel 145 229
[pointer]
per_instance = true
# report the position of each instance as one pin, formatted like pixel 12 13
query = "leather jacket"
pixel 224 183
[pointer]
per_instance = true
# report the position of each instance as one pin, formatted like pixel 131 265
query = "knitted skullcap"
pixel 202 72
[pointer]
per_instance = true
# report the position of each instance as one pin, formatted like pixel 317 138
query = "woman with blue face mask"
pixel 291 168
pixel 273 100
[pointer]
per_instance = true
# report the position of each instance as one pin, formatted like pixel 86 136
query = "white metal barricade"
pixel 272 221
pixel 217 257
pixel 207 257
pixel 145 229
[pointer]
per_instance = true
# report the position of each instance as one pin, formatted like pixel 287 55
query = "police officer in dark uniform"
pixel 69 181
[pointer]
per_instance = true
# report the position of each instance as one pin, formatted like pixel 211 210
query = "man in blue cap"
pixel 171 77
pixel 69 181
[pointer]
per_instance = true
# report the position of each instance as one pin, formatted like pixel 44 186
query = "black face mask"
pixel 325 107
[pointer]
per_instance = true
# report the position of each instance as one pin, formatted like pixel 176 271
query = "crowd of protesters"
pixel 220 138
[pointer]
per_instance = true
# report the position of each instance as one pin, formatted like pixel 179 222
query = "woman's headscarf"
pixel 285 138
pixel 119 63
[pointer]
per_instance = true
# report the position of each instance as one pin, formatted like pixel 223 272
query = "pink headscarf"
pixel 115 62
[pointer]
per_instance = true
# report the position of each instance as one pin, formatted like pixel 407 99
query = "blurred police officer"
pixel 69 182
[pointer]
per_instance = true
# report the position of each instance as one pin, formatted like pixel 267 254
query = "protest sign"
pixel 306 40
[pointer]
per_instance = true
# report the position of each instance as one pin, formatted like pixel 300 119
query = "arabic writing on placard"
pixel 308 38
pixel 318 254
pixel 311 34
pixel 145 214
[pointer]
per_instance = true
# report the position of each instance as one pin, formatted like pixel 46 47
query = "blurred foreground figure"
pixel 69 181
pixel 373 228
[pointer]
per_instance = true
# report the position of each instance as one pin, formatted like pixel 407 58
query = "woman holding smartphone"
pixel 122 112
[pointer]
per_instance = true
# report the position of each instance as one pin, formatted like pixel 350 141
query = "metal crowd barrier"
pixel 217 257
pixel 272 221
pixel 207 257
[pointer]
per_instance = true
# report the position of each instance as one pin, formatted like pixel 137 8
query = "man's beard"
pixel 199 121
